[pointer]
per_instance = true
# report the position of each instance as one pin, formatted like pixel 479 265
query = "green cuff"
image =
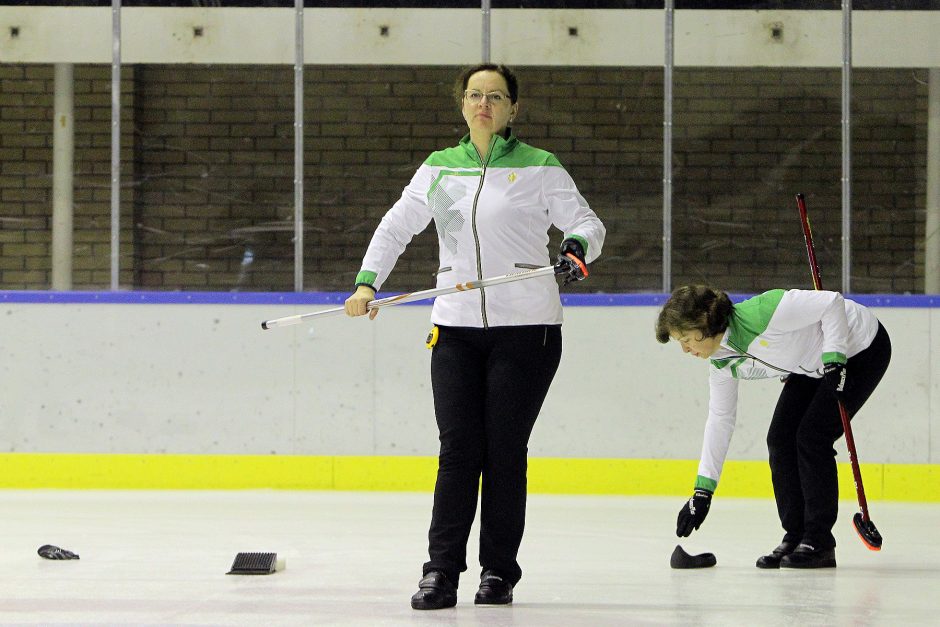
pixel 704 483
pixel 580 240
pixel 366 277
pixel 833 358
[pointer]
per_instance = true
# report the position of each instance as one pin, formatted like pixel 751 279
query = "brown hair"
pixel 512 83
pixel 694 308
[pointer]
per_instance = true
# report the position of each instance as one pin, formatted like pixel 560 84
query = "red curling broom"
pixel 863 524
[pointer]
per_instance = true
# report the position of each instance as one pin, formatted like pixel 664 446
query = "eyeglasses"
pixel 495 98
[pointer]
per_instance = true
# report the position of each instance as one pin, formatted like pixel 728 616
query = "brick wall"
pixel 26 111
pixel 209 160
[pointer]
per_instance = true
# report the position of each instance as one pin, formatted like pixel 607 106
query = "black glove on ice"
pixel 52 552
pixel 693 513
pixel 571 268
pixel 835 376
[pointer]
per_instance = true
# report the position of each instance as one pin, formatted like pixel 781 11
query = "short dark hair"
pixel 512 83
pixel 694 308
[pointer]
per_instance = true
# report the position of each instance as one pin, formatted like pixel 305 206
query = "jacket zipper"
pixel 747 354
pixel 473 224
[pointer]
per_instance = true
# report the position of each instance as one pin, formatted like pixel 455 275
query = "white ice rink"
pixel 160 557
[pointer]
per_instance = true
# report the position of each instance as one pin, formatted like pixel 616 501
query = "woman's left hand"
pixel 570 261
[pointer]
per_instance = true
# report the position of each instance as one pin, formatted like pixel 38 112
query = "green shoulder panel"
pixel 453 157
pixel 506 153
pixel 522 155
pixel 751 318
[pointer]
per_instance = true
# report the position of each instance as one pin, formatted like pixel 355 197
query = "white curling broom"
pixel 426 294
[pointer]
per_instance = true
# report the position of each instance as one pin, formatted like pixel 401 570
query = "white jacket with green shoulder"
pixel 771 335
pixel 492 218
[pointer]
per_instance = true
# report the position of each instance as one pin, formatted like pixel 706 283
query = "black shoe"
pixel 808 556
pixel 494 590
pixel 773 560
pixel 435 592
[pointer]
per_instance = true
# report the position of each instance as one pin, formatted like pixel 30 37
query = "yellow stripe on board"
pixel 169 472
pixel 652 477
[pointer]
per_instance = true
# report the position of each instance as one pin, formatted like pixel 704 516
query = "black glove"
pixel 572 269
pixel 52 552
pixel 693 513
pixel 835 376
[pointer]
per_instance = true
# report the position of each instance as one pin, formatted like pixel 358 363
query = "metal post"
pixel 485 7
pixel 63 170
pixel 115 143
pixel 846 146
pixel 667 145
pixel 932 230
pixel 299 146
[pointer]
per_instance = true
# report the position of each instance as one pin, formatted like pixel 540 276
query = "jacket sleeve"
pixel 569 211
pixel 803 308
pixel 408 216
pixel 722 415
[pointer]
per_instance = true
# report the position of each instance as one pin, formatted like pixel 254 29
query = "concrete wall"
pixel 205 379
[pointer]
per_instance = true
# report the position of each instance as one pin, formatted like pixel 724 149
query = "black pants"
pixel 804 428
pixel 489 385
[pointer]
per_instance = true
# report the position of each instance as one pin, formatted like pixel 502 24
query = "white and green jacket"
pixel 770 335
pixel 492 218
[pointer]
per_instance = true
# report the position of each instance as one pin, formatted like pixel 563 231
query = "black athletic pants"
pixel 488 385
pixel 804 428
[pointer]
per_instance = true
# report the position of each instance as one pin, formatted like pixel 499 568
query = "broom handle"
pixel 846 424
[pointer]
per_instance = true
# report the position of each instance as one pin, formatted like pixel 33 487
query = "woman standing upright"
pixel 493 200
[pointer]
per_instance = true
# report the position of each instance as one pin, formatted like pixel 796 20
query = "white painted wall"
pixel 633 37
pixel 121 378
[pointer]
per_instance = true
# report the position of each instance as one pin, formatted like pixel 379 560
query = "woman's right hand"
pixel 693 513
pixel 356 304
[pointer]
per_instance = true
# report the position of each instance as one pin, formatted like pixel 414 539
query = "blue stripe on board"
pixel 656 300
pixel 337 298
pixel 880 300
pixel 176 298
